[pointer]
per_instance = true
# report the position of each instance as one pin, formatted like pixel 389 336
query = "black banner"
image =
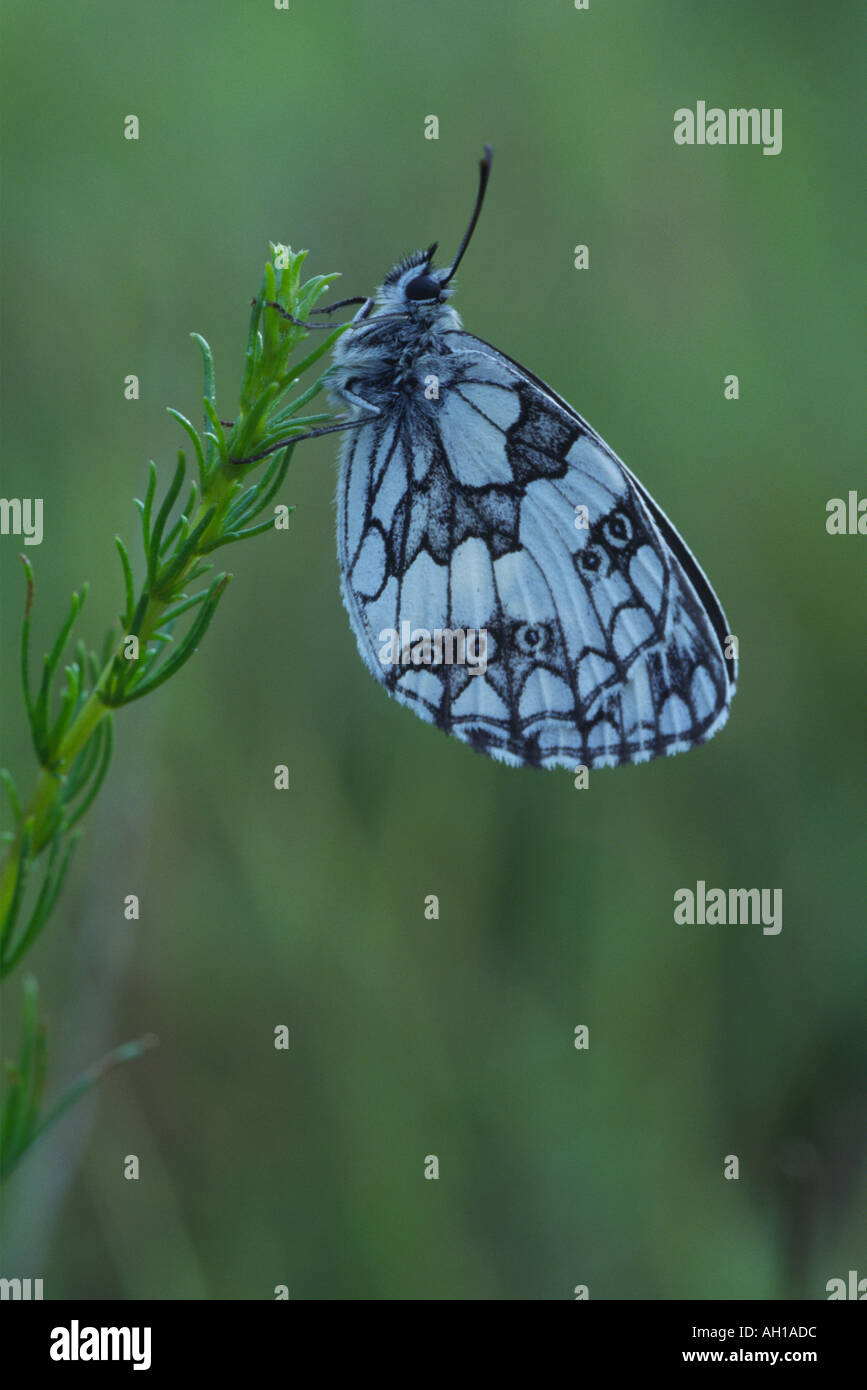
pixel 66 1338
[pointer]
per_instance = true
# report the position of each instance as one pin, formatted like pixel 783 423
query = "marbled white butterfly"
pixel 474 500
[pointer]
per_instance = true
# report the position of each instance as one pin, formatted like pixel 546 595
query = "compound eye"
pixel 423 287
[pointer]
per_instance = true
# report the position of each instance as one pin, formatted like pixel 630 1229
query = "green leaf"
pixel 229 537
pixel 82 768
pixel 21 1124
pixel 197 630
pixel 210 398
pixel 146 507
pixel 25 644
pixel 245 436
pixel 277 421
pixel 254 349
pixel 54 875
pixel 196 573
pixel 68 703
pixel 138 617
pixel 169 501
pixel 22 869
pixel 218 436
pixel 127 1052
pixel 41 714
pixel 129 583
pixel 208 359
pixel 197 445
pixel 12 792
pixel 318 352
pixel 175 568
pixel 257 497
pixel 175 612
pixel 181 528
pixel 107 745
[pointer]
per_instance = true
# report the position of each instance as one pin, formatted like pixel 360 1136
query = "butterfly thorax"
pixel 385 358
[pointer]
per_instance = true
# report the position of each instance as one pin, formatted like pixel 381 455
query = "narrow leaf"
pixel 191 640
pixel 197 445
pixel 128 582
pixel 163 515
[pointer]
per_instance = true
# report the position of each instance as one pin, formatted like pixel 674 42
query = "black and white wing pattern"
pixel 605 643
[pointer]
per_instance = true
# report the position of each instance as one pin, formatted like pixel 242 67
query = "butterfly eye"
pixel 618 530
pixel 423 287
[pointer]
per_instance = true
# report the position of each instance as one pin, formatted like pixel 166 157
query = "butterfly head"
pixel 414 285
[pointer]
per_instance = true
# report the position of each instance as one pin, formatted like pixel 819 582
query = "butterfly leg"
pixel 300 323
pixel 371 412
pixel 367 306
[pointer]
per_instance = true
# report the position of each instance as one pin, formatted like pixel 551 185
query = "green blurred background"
pixel 455 1037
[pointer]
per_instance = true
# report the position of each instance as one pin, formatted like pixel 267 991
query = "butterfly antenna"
pixel 484 175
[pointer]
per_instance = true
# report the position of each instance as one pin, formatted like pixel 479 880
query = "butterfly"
pixel 475 506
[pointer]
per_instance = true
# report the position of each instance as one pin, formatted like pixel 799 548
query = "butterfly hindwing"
pixel 457 513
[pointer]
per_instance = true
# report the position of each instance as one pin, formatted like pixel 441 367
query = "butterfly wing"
pixel 494 508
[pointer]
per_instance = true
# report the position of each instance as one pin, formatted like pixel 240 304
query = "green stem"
pixel 73 749
pixel 220 493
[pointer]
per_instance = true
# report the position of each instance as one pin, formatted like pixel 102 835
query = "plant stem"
pixel 219 494
pixel 70 715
